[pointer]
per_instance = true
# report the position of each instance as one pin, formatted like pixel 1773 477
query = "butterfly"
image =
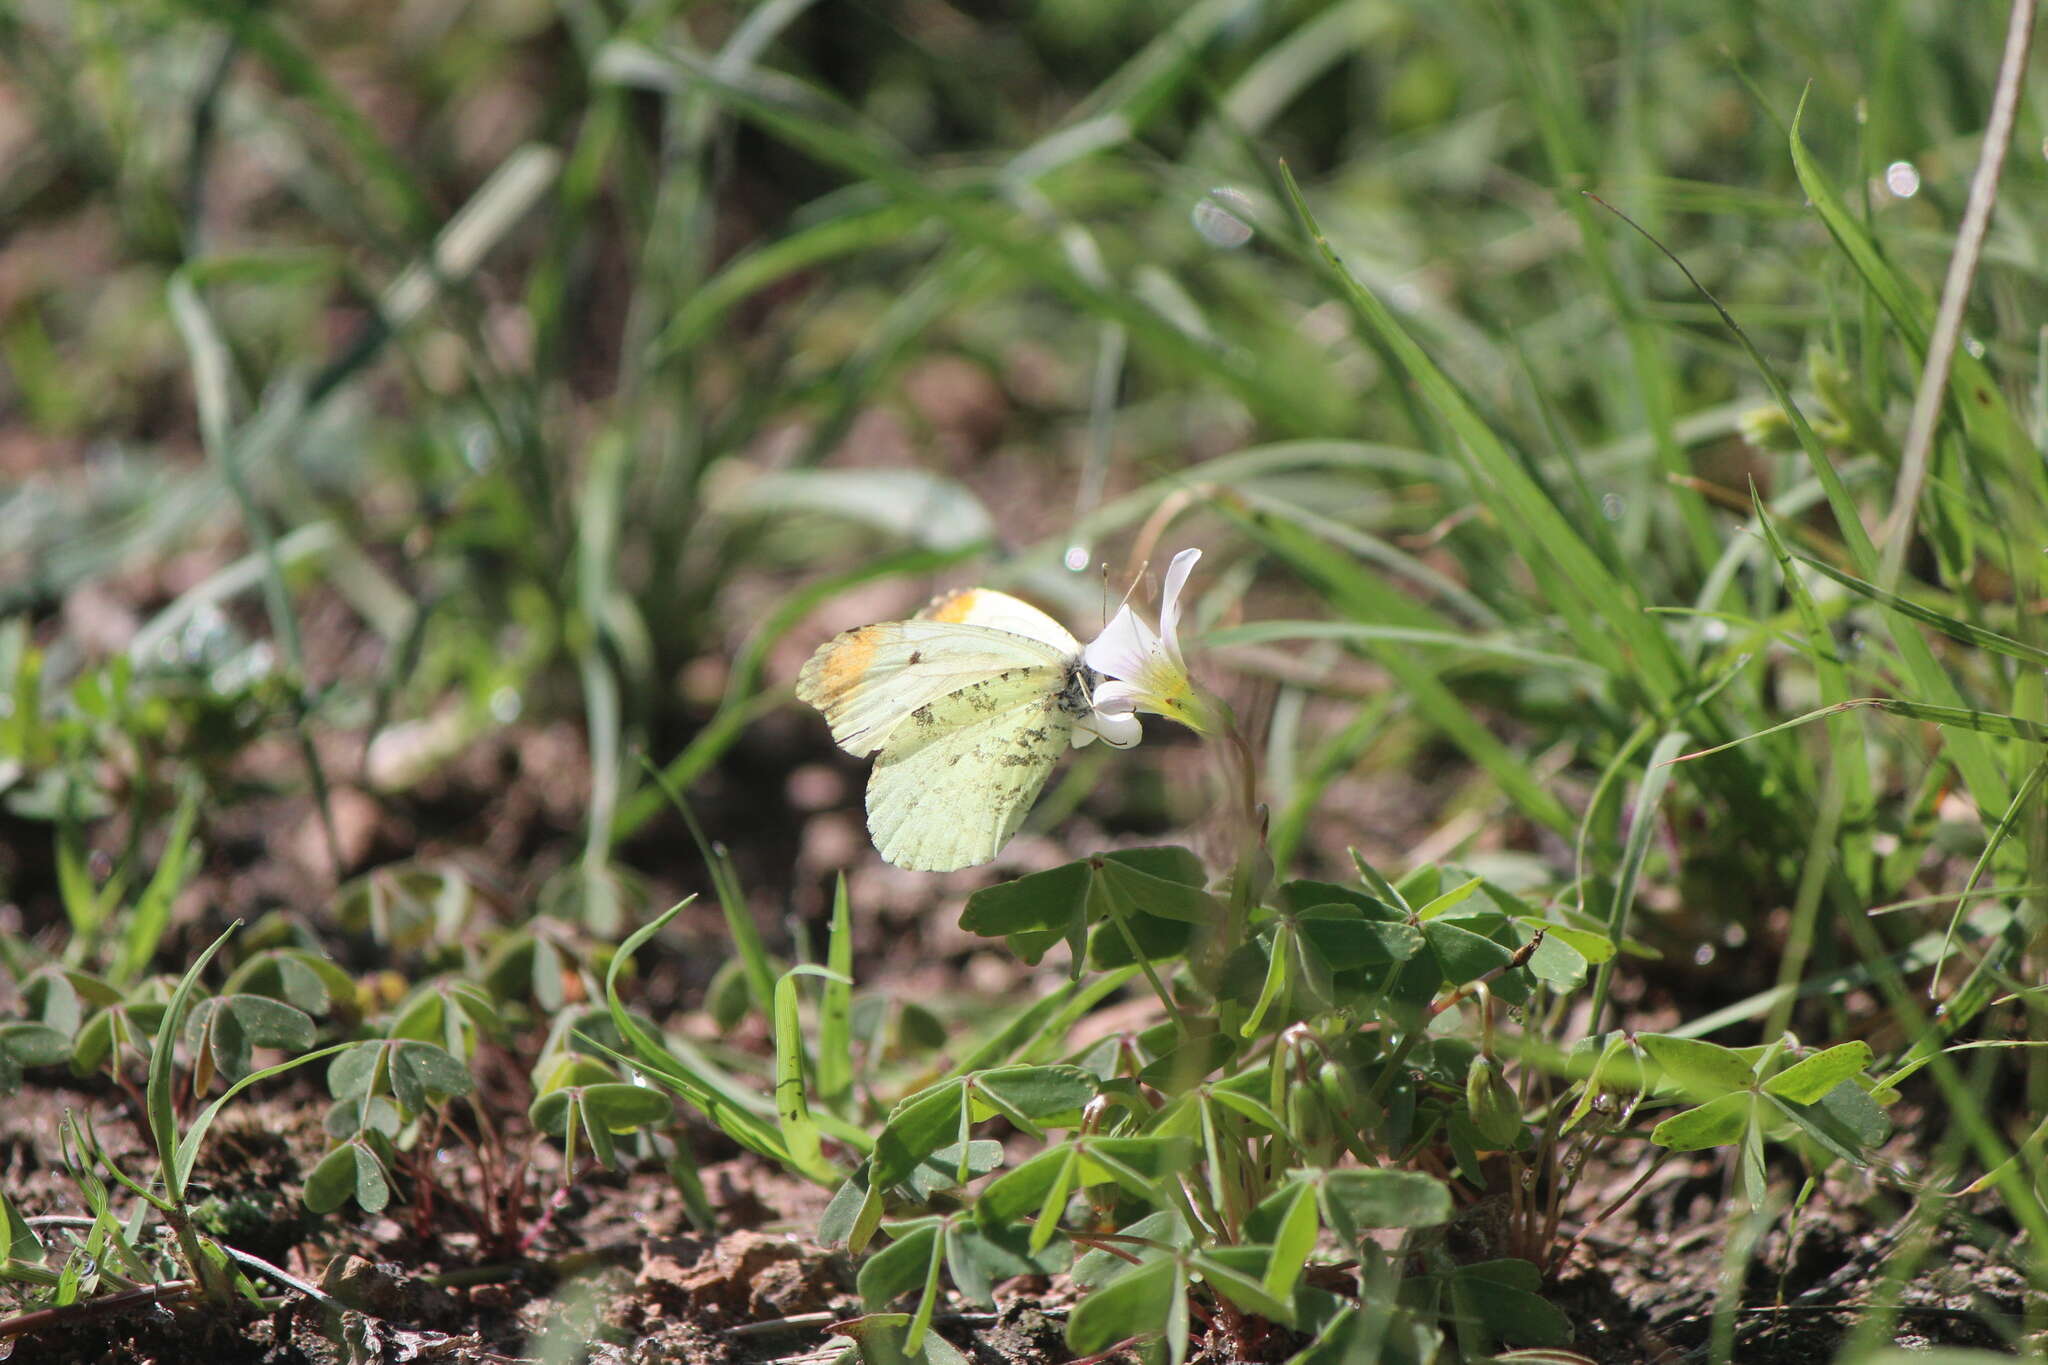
pixel 966 707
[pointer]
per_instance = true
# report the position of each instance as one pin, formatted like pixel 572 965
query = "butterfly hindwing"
pixel 953 782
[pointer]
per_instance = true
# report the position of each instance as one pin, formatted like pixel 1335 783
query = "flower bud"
pixel 1496 1113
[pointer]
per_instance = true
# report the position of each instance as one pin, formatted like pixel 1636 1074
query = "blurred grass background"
pixel 402 372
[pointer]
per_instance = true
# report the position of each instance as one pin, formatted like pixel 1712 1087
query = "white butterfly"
pixel 967 708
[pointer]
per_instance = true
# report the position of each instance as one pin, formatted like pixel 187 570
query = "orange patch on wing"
pixel 842 665
pixel 959 607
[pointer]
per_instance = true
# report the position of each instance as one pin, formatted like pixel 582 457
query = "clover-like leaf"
pixel 221 1029
pixel 1354 1200
pixel 353 1170
pixel 1699 1069
pixel 1805 1081
pixel 1717 1123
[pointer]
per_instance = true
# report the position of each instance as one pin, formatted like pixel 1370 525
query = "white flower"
pixel 1145 671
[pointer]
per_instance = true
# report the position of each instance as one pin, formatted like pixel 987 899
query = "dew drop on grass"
pixel 1902 178
pixel 1703 954
pixel 1076 558
pixel 505 705
pixel 1611 506
pixel 1224 217
pixel 1974 347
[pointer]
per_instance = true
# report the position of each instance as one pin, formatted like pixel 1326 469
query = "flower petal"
pixel 1169 602
pixel 1123 647
pixel 1117 698
pixel 1118 729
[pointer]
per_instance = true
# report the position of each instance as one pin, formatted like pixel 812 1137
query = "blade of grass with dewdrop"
pixel 1973 396
pixel 1526 514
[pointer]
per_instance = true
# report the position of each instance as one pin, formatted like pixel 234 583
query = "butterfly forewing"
pixel 954 781
pixel 868 682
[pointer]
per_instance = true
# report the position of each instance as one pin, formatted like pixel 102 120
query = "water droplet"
pixel 1528 1178
pixel 1974 347
pixel 1224 217
pixel 477 449
pixel 1603 1102
pixel 1902 178
pixel 506 705
pixel 1611 506
pixel 1703 954
pixel 1076 558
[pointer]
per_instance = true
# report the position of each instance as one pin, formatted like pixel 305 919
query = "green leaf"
pixel 918 1126
pixel 228 1025
pixel 1052 1096
pixel 1354 1200
pixel 1846 1122
pixel 34 1044
pixel 1464 955
pixel 1134 1304
pixel 1305 895
pixel 1032 912
pixel 351 1170
pixel 1239 1273
pixel 1348 939
pixel 1296 1226
pixel 1716 1123
pixel 1558 963
pixel 1163 894
pixel 1136 1163
pixel 1021 1191
pixel 1806 1081
pixel 899 1267
pixel 950 1167
pixel 623 1108
pixel 17 1236
pixel 421 1074
pixel 1699 1069
pixel 1502 1296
